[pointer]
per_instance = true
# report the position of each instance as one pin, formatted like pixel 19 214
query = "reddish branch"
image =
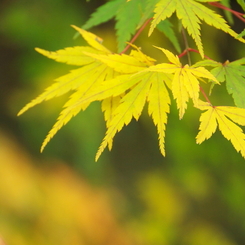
pixel 136 35
pixel 237 14
pixel 191 50
pixel 204 94
pixel 186 51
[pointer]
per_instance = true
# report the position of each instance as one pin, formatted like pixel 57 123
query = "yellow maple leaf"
pixel 143 58
pixel 109 106
pixel 185 82
pixel 70 55
pixel 149 86
pixel 103 77
pixel 93 40
pixel 191 12
pixel 81 81
pixel 226 119
pixel 122 63
pixel 159 101
pixel 73 106
pixel 76 78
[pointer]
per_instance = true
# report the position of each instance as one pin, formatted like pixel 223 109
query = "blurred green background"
pixel 132 195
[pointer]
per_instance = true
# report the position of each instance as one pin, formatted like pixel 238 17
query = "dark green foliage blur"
pixel 193 196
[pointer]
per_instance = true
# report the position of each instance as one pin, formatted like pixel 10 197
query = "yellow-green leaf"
pixel 221 115
pixel 138 54
pixel 185 82
pixel 92 39
pixel 70 55
pixel 109 106
pixel 159 101
pixel 64 84
pixel 190 12
pixel 174 59
pixel 121 62
pixel 208 124
pixel 131 106
pixel 233 74
pixel 180 92
pixel 132 103
pixel 74 106
pixel 163 10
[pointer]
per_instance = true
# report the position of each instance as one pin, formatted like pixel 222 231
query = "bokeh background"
pixel 132 195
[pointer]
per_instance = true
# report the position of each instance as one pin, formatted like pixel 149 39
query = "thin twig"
pixel 186 45
pixel 204 94
pixel 136 35
pixel 192 50
pixel 237 14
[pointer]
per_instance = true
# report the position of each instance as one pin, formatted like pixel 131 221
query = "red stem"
pixel 136 35
pixel 237 14
pixel 192 50
pixel 205 96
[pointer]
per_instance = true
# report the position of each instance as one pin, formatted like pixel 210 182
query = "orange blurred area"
pixel 51 205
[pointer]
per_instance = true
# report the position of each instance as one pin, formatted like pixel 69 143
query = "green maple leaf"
pixel 191 12
pixel 167 28
pixel 242 4
pixel 228 14
pixel 127 15
pixel 104 13
pixel 127 20
pixel 233 73
pixel 148 10
pixel 242 34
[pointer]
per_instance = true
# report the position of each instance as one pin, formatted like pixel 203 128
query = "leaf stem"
pixel 186 51
pixel 204 94
pixel 186 45
pixel 237 14
pixel 136 35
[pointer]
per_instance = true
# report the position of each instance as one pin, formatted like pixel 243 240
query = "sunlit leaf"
pixel 226 119
pixel 190 12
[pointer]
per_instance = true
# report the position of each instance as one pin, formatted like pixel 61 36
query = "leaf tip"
pixel 80 30
pixel 43 146
pixel 39 50
pixel 97 156
pixel 21 111
pixel 75 27
pixel 151 30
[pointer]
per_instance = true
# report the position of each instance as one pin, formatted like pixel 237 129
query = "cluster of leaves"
pixel 131 14
pixel 124 83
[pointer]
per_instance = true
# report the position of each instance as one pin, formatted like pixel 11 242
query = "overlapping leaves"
pixel 131 14
pixel 124 83
pixel 190 12
pixel 233 74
